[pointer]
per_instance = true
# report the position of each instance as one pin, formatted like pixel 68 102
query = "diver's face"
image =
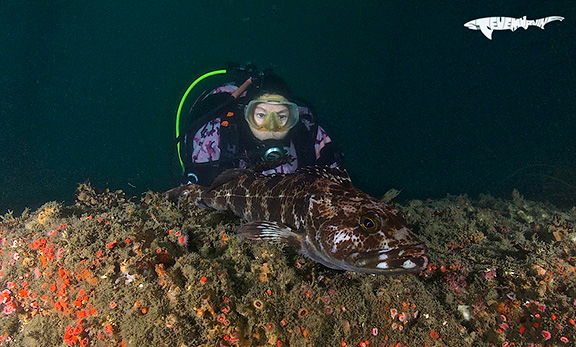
pixel 268 135
pixel 278 112
pixel 269 121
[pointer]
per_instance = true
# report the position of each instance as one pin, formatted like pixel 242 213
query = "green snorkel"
pixel 234 96
pixel 208 74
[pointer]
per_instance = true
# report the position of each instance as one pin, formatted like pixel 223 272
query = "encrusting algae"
pixel 113 271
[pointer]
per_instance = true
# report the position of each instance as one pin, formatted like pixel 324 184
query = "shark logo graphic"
pixel 489 24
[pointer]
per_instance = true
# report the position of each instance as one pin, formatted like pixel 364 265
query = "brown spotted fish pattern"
pixel 317 210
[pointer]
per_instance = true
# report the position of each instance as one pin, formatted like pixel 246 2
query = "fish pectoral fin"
pixel 271 231
pixel 487 31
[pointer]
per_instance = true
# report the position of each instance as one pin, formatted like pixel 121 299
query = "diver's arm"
pixel 202 165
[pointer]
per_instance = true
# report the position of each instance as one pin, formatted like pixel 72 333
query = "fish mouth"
pixel 397 260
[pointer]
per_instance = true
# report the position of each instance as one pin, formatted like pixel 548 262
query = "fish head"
pixel 472 25
pixel 362 234
pixel 482 24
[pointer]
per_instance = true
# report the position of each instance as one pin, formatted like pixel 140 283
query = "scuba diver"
pixel 253 122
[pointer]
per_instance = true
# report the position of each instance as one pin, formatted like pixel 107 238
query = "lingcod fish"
pixel 319 211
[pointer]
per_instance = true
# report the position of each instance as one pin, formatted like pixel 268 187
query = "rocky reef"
pixel 114 270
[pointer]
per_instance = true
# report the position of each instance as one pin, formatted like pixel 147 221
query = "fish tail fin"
pixel 547 20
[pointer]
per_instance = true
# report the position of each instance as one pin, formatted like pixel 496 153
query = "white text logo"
pixel 489 24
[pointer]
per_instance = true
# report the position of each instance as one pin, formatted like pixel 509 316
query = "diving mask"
pixel 272 113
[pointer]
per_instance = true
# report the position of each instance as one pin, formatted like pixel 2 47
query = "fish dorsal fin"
pixel 332 173
pixel 230 175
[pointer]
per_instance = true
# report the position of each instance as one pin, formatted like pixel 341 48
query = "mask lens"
pixel 267 115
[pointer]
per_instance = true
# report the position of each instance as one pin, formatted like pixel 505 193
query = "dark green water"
pixel 89 90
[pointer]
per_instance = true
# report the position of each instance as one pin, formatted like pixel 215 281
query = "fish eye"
pixel 369 223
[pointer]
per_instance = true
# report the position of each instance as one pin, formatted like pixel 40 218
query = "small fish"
pixel 317 210
pixel 489 24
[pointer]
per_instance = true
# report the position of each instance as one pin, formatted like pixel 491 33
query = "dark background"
pixel 89 91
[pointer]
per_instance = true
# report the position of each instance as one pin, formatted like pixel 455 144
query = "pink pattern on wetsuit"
pixel 207 142
pixel 207 147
